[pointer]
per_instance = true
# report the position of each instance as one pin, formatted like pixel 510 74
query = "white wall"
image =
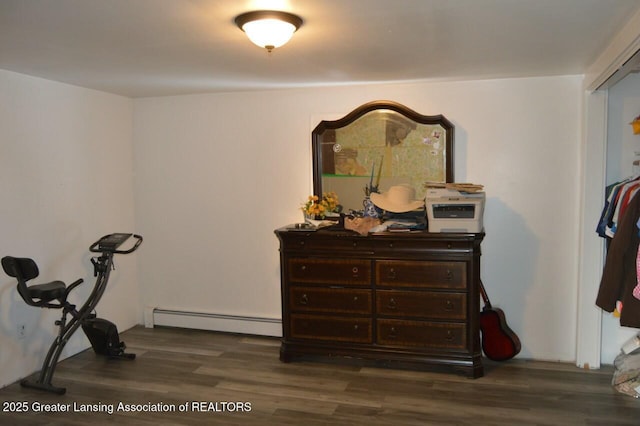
pixel 65 180
pixel 623 147
pixel 217 173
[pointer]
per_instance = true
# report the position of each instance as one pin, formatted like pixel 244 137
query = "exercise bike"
pixel 102 333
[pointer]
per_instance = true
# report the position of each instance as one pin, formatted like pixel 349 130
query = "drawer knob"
pixel 301 243
pixel 448 306
pixel 449 275
pixel 392 333
pixel 449 245
pixel 390 245
pixel 355 298
pixel 303 268
pixel 355 244
pixel 355 327
pixel 304 300
pixel 392 304
pixel 355 271
pixel 391 274
pixel 449 337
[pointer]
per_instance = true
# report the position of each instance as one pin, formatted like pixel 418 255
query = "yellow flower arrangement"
pixel 636 125
pixel 316 207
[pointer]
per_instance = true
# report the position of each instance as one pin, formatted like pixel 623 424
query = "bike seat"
pixel 40 295
pixel 47 292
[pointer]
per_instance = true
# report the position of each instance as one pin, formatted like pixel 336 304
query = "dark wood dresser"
pixel 405 300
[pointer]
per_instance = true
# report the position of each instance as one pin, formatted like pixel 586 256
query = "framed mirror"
pixel 378 145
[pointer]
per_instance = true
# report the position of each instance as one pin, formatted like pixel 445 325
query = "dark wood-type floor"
pixel 229 373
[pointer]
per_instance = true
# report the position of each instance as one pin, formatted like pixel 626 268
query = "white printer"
pixel 452 210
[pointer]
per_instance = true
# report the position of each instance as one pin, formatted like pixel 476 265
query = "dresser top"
pixel 291 230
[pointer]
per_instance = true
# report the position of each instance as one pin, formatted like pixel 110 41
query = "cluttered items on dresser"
pixel 450 207
pixel 395 210
pixel 398 210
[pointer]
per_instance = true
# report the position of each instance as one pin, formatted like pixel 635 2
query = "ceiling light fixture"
pixel 268 28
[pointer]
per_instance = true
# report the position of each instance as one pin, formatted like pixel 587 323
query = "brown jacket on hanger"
pixel 620 276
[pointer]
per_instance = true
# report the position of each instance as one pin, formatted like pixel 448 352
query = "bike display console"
pixel 110 243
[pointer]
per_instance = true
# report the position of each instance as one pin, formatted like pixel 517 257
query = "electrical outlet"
pixel 21 330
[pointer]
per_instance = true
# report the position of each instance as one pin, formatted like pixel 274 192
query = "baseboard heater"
pixel 215 322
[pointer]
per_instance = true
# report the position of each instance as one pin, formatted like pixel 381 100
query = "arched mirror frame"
pixel 407 113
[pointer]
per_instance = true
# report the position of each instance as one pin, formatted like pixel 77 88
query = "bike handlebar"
pixel 110 243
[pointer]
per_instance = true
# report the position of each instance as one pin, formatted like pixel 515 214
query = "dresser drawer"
pixel 333 300
pixel 342 244
pixel 330 271
pixel 432 274
pixel 404 246
pixel 422 304
pixel 421 334
pixel 343 329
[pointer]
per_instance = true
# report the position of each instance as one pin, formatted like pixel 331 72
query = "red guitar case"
pixel 499 342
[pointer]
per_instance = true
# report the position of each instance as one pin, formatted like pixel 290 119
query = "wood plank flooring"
pixel 239 380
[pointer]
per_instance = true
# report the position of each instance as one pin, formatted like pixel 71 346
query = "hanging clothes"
pixel 619 277
pixel 617 198
pixel 636 290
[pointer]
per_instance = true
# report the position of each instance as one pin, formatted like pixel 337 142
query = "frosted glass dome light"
pixel 268 29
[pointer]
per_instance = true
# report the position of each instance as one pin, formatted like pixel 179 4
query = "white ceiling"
pixel 165 47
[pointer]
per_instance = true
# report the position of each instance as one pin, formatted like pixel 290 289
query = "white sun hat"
pixel 398 199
